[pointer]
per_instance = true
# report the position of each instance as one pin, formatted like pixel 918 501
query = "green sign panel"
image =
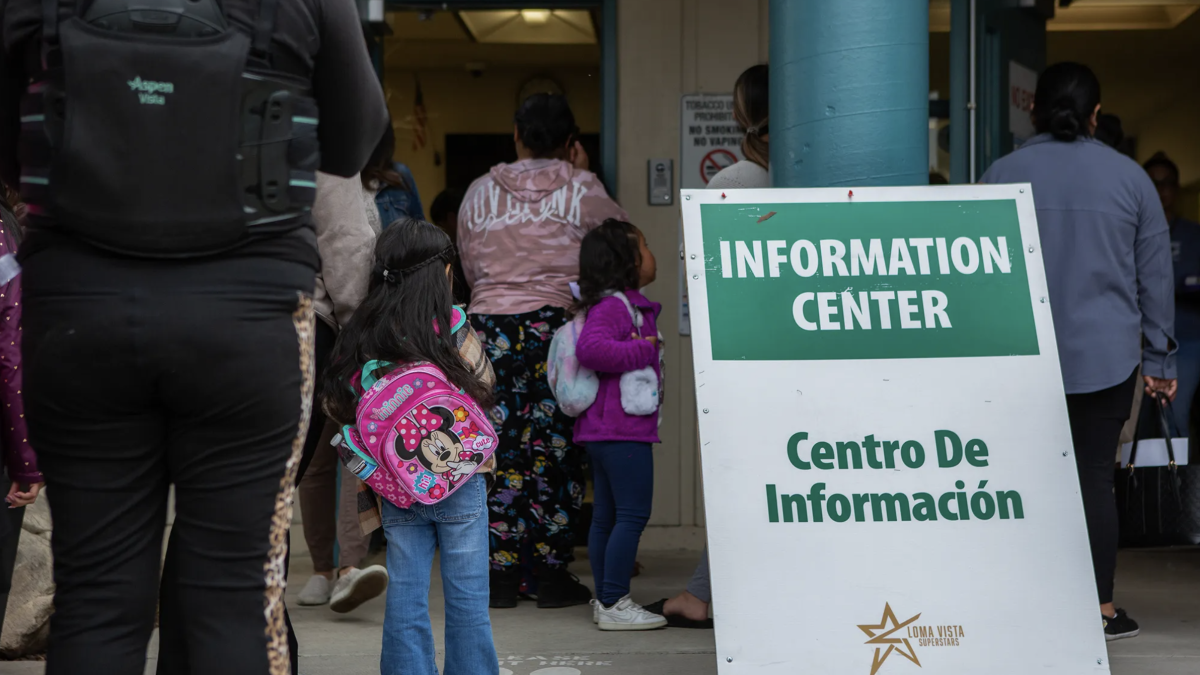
pixel 875 280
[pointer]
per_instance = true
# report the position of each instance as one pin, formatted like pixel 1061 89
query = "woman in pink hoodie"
pixel 519 232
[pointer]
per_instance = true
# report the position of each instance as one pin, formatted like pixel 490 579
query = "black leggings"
pixel 1096 421
pixel 140 374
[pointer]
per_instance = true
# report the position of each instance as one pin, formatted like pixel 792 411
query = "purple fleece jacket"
pixel 606 345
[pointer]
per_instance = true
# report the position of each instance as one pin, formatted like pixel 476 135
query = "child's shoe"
pixel 628 615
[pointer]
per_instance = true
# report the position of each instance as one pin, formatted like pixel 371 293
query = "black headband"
pixel 394 276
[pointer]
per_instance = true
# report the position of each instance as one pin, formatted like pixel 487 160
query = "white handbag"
pixel 640 389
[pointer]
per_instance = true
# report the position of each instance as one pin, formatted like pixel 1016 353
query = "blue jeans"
pixel 1187 362
pixel 459 527
pixel 624 491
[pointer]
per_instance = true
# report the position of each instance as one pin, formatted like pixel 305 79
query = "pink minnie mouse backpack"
pixel 417 437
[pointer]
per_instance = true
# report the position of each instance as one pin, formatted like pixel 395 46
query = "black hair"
pixel 1160 159
pixel 610 259
pixel 752 111
pixel 379 171
pixel 447 203
pixel 1067 95
pixel 405 317
pixel 545 124
pixel 1109 131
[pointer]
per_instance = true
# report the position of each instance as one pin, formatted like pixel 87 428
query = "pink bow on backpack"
pixel 417 426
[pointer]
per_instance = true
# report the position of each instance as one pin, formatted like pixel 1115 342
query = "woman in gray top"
pixel 1107 252
pixel 751 111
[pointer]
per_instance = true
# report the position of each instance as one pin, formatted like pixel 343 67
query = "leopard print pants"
pixel 277 643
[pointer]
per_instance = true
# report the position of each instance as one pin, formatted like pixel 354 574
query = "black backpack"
pixel 157 130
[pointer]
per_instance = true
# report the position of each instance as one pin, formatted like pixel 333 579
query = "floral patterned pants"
pixel 539 472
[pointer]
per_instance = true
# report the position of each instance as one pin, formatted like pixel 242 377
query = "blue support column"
pixel 960 91
pixel 849 92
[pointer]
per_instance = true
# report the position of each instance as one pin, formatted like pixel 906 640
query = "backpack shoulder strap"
pixel 368 379
pixel 458 319
pixel 634 313
pixel 49 29
pixel 264 25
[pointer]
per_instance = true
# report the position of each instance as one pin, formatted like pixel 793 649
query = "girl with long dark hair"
pixel 409 316
pixel 1107 252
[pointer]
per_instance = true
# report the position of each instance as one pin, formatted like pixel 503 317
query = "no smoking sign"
pixel 714 161
pixel 709 138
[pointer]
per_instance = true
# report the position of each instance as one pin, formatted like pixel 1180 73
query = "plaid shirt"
pixel 471 349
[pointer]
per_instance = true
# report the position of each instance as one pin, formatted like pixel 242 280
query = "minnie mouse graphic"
pixel 427 435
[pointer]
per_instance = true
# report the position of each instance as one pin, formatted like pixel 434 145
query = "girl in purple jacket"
pixel 614 263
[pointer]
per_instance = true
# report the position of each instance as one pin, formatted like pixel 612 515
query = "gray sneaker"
pixel 315 592
pixel 628 615
pixel 357 587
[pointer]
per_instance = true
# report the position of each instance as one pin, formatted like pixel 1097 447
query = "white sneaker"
pixel 315 592
pixel 357 587
pixel 628 615
pixel 595 610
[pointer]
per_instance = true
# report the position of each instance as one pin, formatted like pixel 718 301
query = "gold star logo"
pixel 884 638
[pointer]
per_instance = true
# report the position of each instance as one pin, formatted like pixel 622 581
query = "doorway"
pixel 455 72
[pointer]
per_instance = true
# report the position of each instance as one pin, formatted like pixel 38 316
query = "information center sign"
pixel 888 474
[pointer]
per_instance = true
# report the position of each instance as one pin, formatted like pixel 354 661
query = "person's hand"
pixel 579 156
pixel 652 339
pixel 1166 388
pixel 16 498
pixel 461 469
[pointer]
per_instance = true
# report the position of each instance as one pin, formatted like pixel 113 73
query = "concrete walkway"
pixel 1159 588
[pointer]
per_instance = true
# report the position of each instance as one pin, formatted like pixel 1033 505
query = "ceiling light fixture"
pixel 536 17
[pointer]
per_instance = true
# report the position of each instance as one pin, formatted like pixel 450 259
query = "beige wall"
pixel 458 103
pixel 667 48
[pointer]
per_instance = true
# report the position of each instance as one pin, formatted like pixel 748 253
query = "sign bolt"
pixel 706 411
pixel 1043 301
pixel 688 198
pixel 1064 453
pixel 728 659
pixel 1022 190
pixel 695 276
pixel 693 256
pixel 1031 249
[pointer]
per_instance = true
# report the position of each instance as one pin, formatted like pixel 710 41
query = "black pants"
pixel 140 374
pixel 1096 421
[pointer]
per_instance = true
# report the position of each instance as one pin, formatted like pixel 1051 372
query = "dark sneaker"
pixel 676 621
pixel 504 584
pixel 1120 626
pixel 559 588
